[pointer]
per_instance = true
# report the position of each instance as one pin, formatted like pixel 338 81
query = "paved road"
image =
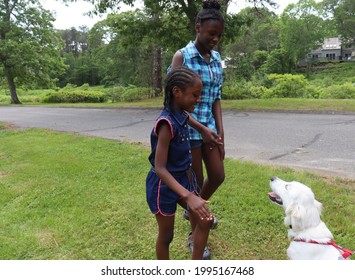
pixel 323 143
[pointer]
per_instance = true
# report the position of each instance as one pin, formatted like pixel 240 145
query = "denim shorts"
pixel 196 144
pixel 160 198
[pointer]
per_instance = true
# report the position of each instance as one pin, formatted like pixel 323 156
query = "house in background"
pixel 333 49
pixel 348 51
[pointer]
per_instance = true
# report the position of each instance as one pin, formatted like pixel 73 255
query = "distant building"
pixel 333 49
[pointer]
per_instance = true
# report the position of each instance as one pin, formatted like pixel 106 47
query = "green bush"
pixel 312 91
pixel 232 92
pixel 114 93
pixel 128 94
pixel 344 91
pixel 288 85
pixel 237 91
pixel 245 90
pixel 132 93
pixel 74 96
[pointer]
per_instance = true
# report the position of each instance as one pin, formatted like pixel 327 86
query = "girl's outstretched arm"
pixel 208 135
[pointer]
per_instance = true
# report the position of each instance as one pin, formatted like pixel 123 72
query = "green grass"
pixel 72 197
pixel 272 104
pixel 291 104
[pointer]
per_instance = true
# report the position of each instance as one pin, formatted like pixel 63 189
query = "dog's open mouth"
pixel 275 198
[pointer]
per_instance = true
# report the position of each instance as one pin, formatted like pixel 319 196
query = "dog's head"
pixel 301 208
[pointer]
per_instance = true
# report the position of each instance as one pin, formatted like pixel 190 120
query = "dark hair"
pixel 210 11
pixel 181 77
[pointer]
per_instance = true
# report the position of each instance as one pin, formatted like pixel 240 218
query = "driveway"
pixel 321 143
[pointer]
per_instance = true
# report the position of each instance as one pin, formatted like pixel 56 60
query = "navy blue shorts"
pixel 161 199
pixel 196 144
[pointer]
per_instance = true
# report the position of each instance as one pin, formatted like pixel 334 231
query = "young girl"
pixel 171 179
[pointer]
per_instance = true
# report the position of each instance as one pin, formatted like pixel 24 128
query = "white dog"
pixel 311 239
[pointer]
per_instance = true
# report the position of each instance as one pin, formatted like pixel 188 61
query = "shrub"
pixel 114 93
pixel 312 91
pixel 133 93
pixel 288 85
pixel 74 96
pixel 243 91
pixel 128 94
pixel 85 86
pixel 344 91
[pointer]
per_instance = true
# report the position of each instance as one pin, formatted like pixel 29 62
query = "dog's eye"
pixel 286 186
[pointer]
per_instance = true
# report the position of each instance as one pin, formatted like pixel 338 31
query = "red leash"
pixel 346 252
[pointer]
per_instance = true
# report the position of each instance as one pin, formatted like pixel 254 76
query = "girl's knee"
pixel 204 224
pixel 166 237
pixel 217 180
pixel 221 178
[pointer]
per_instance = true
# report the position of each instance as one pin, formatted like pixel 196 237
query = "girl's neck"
pixel 203 51
pixel 175 108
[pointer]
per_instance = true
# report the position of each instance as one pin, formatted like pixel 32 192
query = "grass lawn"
pixel 64 196
pixel 272 104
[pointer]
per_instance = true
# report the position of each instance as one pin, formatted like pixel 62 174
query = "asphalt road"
pixel 322 143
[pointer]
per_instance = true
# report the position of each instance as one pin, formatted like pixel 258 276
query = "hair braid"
pixel 181 77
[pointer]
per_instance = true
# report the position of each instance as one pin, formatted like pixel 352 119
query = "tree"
pixel 181 11
pixel 78 58
pixel 135 40
pixel 302 28
pixel 343 12
pixel 121 49
pixel 278 61
pixel 188 8
pixel 29 46
pixel 259 30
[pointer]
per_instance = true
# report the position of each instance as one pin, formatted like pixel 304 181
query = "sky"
pixel 73 15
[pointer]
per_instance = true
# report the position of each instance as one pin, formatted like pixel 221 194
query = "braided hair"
pixel 181 77
pixel 210 11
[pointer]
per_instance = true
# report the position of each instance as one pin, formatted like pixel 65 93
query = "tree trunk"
pixel 157 70
pixel 12 86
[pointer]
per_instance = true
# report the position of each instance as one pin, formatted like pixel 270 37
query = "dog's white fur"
pixel 303 218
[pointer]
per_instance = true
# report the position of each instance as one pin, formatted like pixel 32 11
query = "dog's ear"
pixel 313 213
pixel 318 206
pixel 295 216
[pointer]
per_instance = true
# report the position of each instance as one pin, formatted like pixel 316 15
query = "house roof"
pixel 331 44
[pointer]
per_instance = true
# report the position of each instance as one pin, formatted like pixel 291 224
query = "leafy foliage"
pixel 29 46
pixel 129 94
pixel 344 91
pixel 344 16
pixel 279 61
pixel 71 94
pixel 302 28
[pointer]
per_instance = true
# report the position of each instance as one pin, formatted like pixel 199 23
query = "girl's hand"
pixel 198 205
pixel 222 152
pixel 211 138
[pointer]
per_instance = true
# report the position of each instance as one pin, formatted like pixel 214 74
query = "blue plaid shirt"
pixel 212 78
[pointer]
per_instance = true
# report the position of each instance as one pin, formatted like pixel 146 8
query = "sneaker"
pixel 186 215
pixel 206 251
pixel 214 222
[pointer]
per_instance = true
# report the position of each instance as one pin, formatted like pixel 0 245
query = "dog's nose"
pixel 273 178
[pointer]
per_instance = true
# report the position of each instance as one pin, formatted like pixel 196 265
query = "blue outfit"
pixel 161 199
pixel 212 79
